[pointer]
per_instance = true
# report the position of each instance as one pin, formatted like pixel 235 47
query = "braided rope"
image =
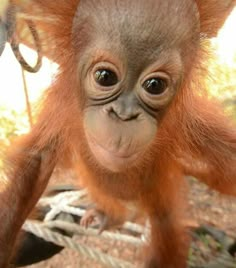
pixel 77 229
pixel 61 203
pixel 61 240
pixel 66 197
pixel 129 226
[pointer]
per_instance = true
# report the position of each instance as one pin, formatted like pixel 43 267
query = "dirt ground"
pixel 206 207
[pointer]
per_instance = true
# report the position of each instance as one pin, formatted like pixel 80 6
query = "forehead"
pixel 138 25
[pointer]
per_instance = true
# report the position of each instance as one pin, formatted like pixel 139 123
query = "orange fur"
pixel 201 133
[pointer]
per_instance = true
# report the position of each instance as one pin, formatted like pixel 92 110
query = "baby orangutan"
pixel 124 110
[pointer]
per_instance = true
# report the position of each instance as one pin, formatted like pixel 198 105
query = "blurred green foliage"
pixel 223 86
pixel 12 124
pixel 222 82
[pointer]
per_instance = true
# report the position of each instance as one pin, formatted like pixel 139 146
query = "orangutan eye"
pixel 155 86
pixel 105 78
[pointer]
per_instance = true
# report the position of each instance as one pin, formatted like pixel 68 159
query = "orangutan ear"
pixel 213 14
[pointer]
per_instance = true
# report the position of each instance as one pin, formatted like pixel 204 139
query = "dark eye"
pixel 106 78
pixel 155 86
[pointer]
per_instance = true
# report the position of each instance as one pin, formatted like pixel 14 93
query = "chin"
pixel 114 161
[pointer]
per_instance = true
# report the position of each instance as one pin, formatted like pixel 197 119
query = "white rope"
pixel 64 241
pixel 61 203
pixel 66 197
pixel 77 229
pixel 130 226
pixel 72 210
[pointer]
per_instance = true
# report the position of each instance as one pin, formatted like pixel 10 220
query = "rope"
pixel 66 197
pixel 77 229
pixel 14 42
pixel 61 204
pixel 8 33
pixel 129 226
pixel 64 241
pixel 27 101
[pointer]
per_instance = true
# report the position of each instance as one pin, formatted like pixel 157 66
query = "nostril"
pixel 129 117
pixel 124 116
pixel 117 112
pixel 110 111
pixel 113 113
pixel 134 116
